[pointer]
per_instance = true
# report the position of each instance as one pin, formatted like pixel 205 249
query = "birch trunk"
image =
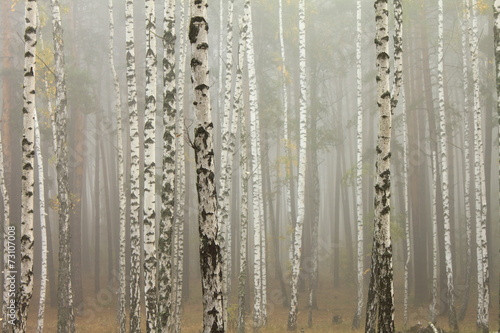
pixel 435 244
pixel 255 166
pixel 452 317
pixel 480 187
pixel 28 163
pixel 122 321
pixel 66 319
pixel 465 72
pixel 407 210
pixel 135 245
pixel 180 171
pixel 297 251
pixel 6 225
pixel 359 169
pixel 228 145
pixel 238 107
pixel 210 242
pixel 165 318
pixel 381 292
pixel 496 27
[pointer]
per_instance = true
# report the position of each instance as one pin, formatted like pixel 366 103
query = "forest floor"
pixel 100 313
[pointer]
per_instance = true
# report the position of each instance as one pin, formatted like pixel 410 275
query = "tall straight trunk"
pixel 210 242
pixel 292 316
pixel 28 164
pixel 165 318
pixel 228 145
pixel 466 113
pixel 97 210
pixel 149 217
pixel 452 317
pixel 122 321
pixel 6 229
pixel 480 186
pixel 238 108
pixel 256 170
pixel 406 210
pixel 496 30
pixel 66 319
pixel 180 200
pixel 135 234
pixel 359 169
pixel 435 244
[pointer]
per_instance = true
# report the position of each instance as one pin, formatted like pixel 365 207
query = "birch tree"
pixel 255 165
pixel 165 318
pixel 380 304
pixel 359 168
pixel 480 186
pixel 43 228
pixel 121 178
pixel 28 164
pixel 435 244
pixel 66 318
pixel 407 210
pixel 452 317
pixel 210 242
pixel 297 247
pixel 238 108
pixel 135 246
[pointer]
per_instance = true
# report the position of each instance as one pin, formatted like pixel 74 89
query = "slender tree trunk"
pixel 210 242
pixel 165 318
pixel 238 107
pixel 359 169
pixel 66 319
pixel 135 245
pixel 28 164
pixel 292 316
pixel 97 211
pixel 435 244
pixel 407 210
pixel 122 321
pixel 468 269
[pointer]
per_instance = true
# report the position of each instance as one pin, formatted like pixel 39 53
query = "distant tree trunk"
pixel 66 319
pixel 28 164
pixel 228 146
pixel 480 187
pixel 210 242
pixel 165 315
pixel 238 108
pixel 292 316
pixel 359 168
pixel 465 71
pixel 122 321
pixel 135 245
pixel 435 244
pixel 149 224
pixel 452 317
pixel 97 210
pixel 496 28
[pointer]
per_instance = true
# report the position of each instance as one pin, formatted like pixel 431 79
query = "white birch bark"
pixel 165 318
pixel 228 145
pixel 452 317
pixel 238 108
pixel 255 166
pixel 6 225
pixel 122 321
pixel 297 251
pixel 435 244
pixel 149 223
pixel 66 318
pixel 28 164
pixel 406 207
pixel 480 186
pixel 135 245
pixel 210 242
pixel 359 168
pixel 43 228
pixel 381 292
pixel 180 170
pixel 468 224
